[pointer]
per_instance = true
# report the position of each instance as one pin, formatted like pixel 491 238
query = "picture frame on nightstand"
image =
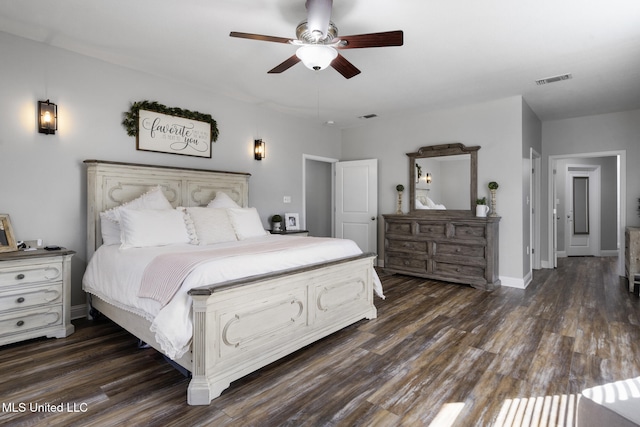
pixel 292 221
pixel 7 239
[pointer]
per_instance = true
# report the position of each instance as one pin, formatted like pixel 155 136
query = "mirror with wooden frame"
pixel 443 180
pixel 7 241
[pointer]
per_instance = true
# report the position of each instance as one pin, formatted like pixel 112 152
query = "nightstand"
pixel 35 295
pixel 291 232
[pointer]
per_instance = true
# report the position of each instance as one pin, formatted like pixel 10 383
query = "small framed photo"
pixel 292 221
pixel 7 240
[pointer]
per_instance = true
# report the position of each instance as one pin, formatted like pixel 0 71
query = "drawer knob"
pixel 20 300
pixel 20 276
pixel 20 323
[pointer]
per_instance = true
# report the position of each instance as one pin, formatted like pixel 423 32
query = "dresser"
pixel 632 257
pixel 451 249
pixel 35 293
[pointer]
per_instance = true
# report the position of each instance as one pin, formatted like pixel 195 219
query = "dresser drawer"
pixel 30 296
pixel 26 320
pixel 402 228
pixel 405 263
pixel 469 231
pixel 459 250
pixel 431 230
pixel 31 273
pixel 411 246
pixel 457 270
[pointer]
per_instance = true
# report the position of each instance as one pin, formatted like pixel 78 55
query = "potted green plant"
pixel 276 221
pixel 481 207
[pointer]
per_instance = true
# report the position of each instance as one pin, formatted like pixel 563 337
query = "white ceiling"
pixel 455 52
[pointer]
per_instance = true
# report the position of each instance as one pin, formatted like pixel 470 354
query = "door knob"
pixel 373 218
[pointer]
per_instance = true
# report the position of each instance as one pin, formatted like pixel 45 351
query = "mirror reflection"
pixel 442 183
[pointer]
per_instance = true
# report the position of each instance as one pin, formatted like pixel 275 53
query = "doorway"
pixel 612 235
pixel 317 195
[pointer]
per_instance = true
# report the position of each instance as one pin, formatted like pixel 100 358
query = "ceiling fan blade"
pixel 290 62
pixel 358 41
pixel 344 67
pixel 259 37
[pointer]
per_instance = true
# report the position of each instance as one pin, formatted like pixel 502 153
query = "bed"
pixel 238 324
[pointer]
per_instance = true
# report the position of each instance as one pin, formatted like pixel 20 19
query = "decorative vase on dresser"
pixel 35 295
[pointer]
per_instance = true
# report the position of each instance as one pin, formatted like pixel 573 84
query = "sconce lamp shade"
pixel 428 178
pixel 47 117
pixel 259 149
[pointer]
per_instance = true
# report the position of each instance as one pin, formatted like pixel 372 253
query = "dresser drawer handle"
pixel 20 300
pixel 20 276
pixel 20 323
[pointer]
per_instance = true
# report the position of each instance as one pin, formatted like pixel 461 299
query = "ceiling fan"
pixel 318 42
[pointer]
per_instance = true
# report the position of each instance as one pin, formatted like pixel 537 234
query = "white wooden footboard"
pixel 244 325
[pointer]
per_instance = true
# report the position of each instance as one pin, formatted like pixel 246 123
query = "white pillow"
pixel 110 219
pixel 110 231
pixel 246 222
pixel 152 227
pixel 222 200
pixel 211 225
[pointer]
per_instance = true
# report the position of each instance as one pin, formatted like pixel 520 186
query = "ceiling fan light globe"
pixel 316 57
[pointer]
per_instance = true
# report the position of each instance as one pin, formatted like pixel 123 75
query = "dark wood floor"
pixel 438 354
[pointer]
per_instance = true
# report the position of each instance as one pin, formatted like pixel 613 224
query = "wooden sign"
pixel 176 135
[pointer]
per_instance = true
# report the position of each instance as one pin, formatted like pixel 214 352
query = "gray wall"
pixel 595 134
pixel 42 177
pixel 531 139
pixel 496 126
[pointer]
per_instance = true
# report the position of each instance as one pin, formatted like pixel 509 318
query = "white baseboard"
pixel 610 252
pixel 514 282
pixel 78 311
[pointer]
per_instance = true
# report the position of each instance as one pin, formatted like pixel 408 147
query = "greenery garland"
pixel 131 117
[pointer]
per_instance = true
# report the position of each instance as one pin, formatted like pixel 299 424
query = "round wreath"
pixel 131 117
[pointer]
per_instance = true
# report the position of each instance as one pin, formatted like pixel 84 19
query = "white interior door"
pixel 357 202
pixel 582 229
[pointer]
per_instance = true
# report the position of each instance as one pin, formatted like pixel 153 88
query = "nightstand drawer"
pixel 30 296
pixel 31 273
pixel 27 320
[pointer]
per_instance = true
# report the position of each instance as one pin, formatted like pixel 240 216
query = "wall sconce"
pixel 428 178
pixel 47 117
pixel 259 149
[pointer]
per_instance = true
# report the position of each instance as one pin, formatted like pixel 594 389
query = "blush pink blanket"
pixel 164 275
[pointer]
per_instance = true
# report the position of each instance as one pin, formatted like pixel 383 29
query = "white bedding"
pixel 115 276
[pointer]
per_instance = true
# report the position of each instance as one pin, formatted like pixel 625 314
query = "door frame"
pixel 535 211
pixel 622 202
pixel 332 161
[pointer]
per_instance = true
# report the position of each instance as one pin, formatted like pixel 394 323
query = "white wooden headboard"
pixel 109 184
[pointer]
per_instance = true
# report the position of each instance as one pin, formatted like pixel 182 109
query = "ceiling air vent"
pixel 368 116
pixel 554 79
